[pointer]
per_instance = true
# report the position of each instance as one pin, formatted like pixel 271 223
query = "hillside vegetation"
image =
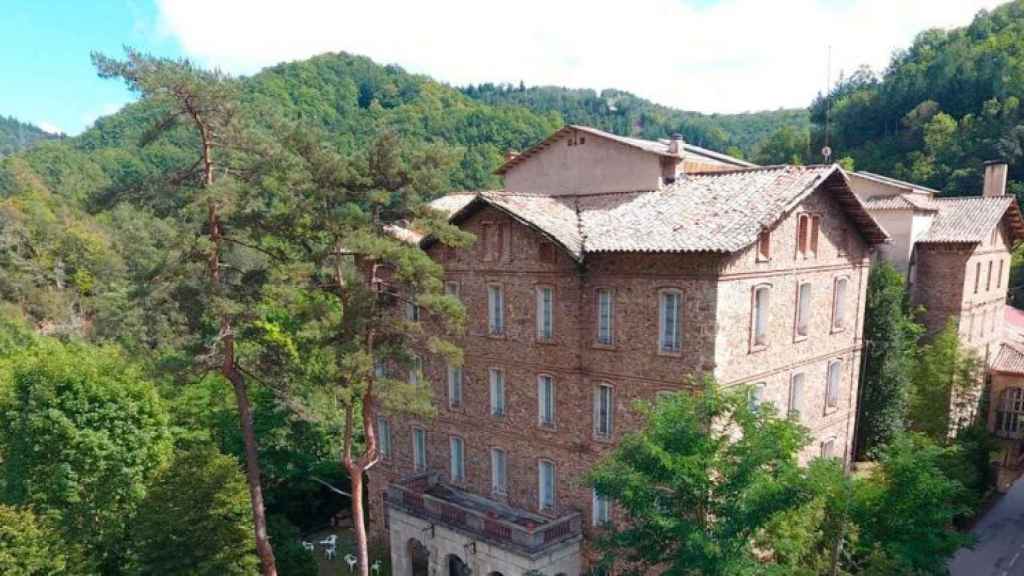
pixel 16 135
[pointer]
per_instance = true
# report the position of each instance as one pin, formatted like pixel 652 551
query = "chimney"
pixel 676 145
pixel 995 178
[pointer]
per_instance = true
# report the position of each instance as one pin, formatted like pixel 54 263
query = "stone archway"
pixel 457 567
pixel 419 558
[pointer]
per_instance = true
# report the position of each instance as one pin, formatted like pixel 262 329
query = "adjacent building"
pixel 608 271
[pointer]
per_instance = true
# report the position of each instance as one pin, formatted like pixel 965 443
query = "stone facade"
pixel 717 316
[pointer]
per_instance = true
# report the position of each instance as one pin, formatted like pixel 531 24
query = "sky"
pixel 704 55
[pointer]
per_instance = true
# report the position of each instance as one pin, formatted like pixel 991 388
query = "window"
pixel 497 378
pixel 760 316
pixel 451 288
pixel 844 240
pixel 546 482
pixel 419 449
pixel 603 411
pixel 839 304
pixel 493 236
pixel 988 277
pixel 796 395
pixel 605 316
pixel 458 463
pixel 755 396
pixel 454 386
pixel 545 313
pixel 977 276
pixel 803 228
pixel 412 311
pixel 1010 413
pixel 669 327
pixel 999 278
pixel 380 369
pixel 499 459
pixel 546 401
pixel 984 322
pixel 546 253
pixel 601 509
pixel 815 227
pixel 415 370
pixel 803 309
pixel 764 246
pixel 835 369
pixel 384 437
pixel 828 448
pixel 495 311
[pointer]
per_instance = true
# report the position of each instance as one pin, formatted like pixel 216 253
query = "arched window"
pixel 1009 418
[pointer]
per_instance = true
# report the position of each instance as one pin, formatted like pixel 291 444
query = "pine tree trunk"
pixel 359 518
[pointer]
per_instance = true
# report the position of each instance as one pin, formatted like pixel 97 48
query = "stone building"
pixel 607 271
pixel 955 253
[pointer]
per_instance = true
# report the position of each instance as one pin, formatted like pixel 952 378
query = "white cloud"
pixel 731 56
pixel 50 127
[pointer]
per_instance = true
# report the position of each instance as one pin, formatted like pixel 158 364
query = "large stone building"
pixel 607 271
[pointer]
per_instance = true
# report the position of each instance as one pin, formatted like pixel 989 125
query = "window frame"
pixel 496 384
pixel 499 483
pixel 598 392
pixel 999 277
pixel 455 385
pixel 456 474
pixel 600 509
pixel 541 408
pixel 611 316
pixel 539 312
pixel 797 380
pixel 416 369
pixel 384 447
pixel 756 396
pixel 496 311
pixel 764 246
pixel 830 444
pixel 417 433
pixel 802 312
pixel 448 288
pixel 840 304
pixel 663 294
pixel 977 276
pixel 758 343
pixel 542 505
pixel 833 391
pixel 988 277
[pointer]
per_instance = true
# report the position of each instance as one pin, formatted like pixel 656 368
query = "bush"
pixel 292 558
pixel 29 547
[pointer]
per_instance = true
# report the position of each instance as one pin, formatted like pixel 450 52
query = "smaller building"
pixel 1006 413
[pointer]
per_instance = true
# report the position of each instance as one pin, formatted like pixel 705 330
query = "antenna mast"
pixel 826 150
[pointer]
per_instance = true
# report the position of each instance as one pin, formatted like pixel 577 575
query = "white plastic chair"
pixel 376 566
pixel 329 552
pixel 331 540
pixel 351 559
pixel 308 546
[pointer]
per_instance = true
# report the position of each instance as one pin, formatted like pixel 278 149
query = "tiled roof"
pixel 900 202
pixel 971 219
pixel 403 233
pixel 710 212
pixel 894 182
pixel 452 203
pixel 659 147
pixel 1010 358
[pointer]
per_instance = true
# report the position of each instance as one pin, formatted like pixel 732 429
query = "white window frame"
pixel 546 401
pixel 384 437
pixel 833 384
pixel 452 288
pixel 496 384
pixel 455 388
pixel 415 370
pixel 839 303
pixel 457 460
pixel 495 310
pixel 760 316
pixel 604 427
pixel 796 394
pixel 601 513
pixel 499 471
pixel 667 345
pixel 802 326
pixel 755 396
pixel 547 493
pixel 419 449
pixel 828 447
pixel 545 313
pixel 605 319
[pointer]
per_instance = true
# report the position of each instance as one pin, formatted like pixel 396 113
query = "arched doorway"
pixel 456 567
pixel 419 558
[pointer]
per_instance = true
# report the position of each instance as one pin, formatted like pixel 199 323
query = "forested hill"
pixel 629 115
pixel 943 106
pixel 16 135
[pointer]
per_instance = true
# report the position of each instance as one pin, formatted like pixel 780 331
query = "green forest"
pixel 181 320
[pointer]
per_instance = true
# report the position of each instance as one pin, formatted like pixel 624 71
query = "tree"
pixel 81 435
pixel 207 101
pixel 705 476
pixel 947 386
pixel 196 518
pixel 349 282
pixel 29 546
pixel 787 145
pixel 891 336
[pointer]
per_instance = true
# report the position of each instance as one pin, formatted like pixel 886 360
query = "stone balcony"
pixel 425 497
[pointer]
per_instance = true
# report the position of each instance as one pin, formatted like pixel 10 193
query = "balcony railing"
pixel 423 496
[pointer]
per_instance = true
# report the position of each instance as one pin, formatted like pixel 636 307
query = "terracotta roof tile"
pixel 900 202
pixel 1010 358
pixel 971 219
